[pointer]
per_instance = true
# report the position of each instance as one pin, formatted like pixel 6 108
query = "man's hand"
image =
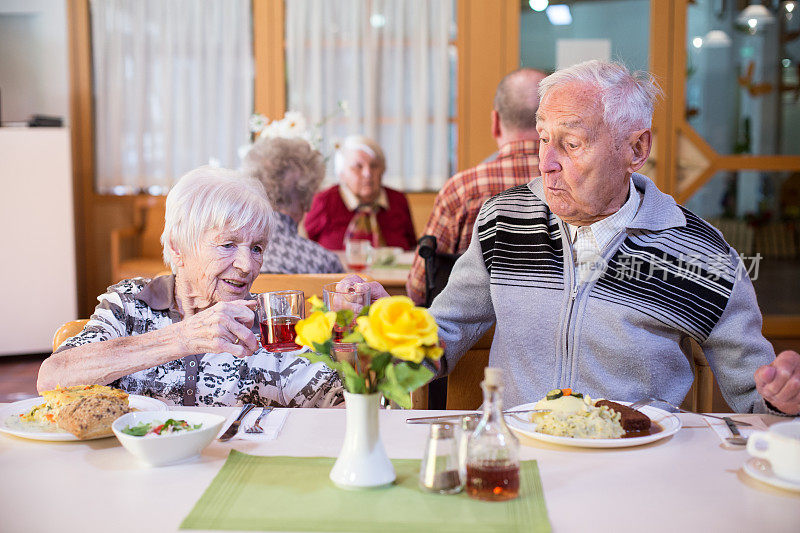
pixel 779 382
pixel 351 280
pixel 222 328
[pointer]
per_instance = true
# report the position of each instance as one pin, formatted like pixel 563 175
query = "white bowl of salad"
pixel 164 437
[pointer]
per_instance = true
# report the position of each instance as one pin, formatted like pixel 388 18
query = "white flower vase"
pixel 362 463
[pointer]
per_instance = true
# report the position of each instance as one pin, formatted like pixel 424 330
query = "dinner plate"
pixel 670 424
pixel 11 424
pixel 761 470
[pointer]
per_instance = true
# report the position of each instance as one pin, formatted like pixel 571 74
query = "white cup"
pixel 781 446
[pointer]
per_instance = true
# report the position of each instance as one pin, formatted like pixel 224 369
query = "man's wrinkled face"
pixel 362 174
pixel 585 171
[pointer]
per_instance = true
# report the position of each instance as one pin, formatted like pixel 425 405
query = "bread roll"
pixel 90 417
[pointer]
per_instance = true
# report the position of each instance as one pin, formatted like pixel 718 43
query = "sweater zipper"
pixel 568 322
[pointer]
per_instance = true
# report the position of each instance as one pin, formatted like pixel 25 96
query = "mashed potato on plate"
pixel 575 415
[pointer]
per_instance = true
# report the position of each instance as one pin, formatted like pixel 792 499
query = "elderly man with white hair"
pixel 359 164
pixel 188 338
pixel 596 280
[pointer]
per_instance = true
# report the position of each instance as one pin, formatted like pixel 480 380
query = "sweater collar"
pixel 657 212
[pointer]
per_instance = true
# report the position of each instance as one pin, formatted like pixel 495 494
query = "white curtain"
pixel 390 61
pixel 173 89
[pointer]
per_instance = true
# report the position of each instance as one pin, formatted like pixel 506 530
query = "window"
pixel 173 89
pixel 392 61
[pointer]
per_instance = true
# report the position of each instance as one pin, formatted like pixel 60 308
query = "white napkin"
pixel 723 432
pixel 272 424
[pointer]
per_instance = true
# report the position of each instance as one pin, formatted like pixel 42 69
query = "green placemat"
pixel 294 494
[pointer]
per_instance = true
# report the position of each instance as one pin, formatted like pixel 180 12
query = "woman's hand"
pixel 222 328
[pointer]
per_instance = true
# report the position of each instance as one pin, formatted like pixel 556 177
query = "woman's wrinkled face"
pixel 223 266
pixel 585 172
pixel 362 174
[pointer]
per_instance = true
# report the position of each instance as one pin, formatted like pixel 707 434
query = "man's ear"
pixel 640 142
pixel 497 129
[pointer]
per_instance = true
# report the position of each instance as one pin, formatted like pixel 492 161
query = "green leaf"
pixel 325 359
pixel 352 381
pixel 138 430
pixel 344 318
pixel 391 388
pixel 379 363
pixel 354 337
pixel 325 348
pixel 364 311
pixel 411 378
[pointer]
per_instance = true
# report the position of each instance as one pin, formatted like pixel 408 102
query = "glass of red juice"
pixel 354 298
pixel 278 313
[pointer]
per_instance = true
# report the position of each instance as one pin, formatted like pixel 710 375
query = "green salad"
pixel 160 428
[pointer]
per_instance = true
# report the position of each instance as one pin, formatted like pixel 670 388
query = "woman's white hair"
pixel 357 142
pixel 209 198
pixel 627 98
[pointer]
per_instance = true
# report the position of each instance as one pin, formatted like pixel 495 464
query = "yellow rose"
pixel 316 328
pixel 316 303
pixel 395 325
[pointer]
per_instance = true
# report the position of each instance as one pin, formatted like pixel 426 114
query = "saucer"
pixel 762 471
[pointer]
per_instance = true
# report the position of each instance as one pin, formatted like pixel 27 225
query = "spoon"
pixel 737 438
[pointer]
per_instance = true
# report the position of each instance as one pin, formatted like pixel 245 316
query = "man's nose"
pixel 548 159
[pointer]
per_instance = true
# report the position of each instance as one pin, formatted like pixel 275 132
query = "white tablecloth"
pixel 688 482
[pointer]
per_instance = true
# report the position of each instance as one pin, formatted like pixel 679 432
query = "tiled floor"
pixel 18 376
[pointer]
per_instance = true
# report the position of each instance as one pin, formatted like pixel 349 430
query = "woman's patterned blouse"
pixel 137 306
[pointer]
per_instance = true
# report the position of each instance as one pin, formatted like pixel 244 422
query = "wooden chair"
pixel 464 391
pixel 67 330
pixel 136 250
pixel 310 284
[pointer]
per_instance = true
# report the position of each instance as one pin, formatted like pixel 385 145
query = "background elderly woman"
pixel 359 165
pixel 145 335
pixel 291 172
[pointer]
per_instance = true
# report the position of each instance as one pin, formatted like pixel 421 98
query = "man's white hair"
pixel 627 98
pixel 356 142
pixel 209 198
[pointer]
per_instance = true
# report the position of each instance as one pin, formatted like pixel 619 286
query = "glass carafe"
pixel 492 450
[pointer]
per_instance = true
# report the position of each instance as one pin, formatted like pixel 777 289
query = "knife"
pixel 234 427
pixel 435 419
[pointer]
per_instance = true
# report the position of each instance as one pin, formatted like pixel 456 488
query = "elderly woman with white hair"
pixel 359 165
pixel 291 171
pixel 188 338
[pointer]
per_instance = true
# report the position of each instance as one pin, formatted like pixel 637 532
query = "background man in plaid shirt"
pixel 516 163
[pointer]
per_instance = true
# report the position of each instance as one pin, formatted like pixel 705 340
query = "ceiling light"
pixel 716 39
pixel 559 15
pixel 789 6
pixel 697 42
pixel 755 14
pixel 377 20
pixel 538 5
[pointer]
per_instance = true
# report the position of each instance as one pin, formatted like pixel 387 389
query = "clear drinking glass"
pixel 492 450
pixel 354 299
pixel 278 313
pixel 357 254
pixel 439 468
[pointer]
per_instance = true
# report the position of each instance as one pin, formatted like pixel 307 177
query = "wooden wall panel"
pixel 270 59
pixel 488 49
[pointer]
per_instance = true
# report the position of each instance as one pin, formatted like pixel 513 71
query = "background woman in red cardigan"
pixel 359 164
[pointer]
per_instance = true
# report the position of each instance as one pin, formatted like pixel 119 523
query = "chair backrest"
pixel 310 284
pixel 437 267
pixel 464 382
pixel 67 330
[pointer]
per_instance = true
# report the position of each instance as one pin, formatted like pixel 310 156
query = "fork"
pixel 256 427
pixel 647 401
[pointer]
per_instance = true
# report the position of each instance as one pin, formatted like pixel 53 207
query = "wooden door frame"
pixel 668 61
